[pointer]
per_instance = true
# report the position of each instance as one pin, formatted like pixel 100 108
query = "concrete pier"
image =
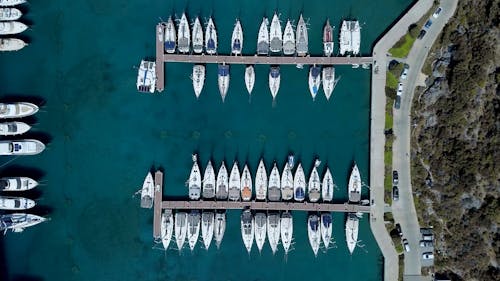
pixel 158 194
pixel 160 67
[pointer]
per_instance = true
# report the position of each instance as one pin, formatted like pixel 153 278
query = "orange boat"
pixel 246 184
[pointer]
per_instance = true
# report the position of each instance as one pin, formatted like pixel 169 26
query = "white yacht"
pixel 261 181
pixel 146 77
pixel 247 229
pixel 287 182
pixel 170 37
pixel 246 184
pixel 328 186
pixel 194 182
pixel 234 183
pixel 345 39
pixel 193 224
pixel 356 37
pixel 326 229
pixel 219 228
pixel 13 128
pixel 273 230
pixel 329 81
pixel 249 78
pixel 286 230
pixel 274 185
pixel 289 39
pixel 7 14
pixel 197 36
pixel 211 38
pixel 209 181
pixel 147 191
pixel 167 228
pixel 351 231
pixel 207 228
pixel 21 147
pixel 260 229
pixel 180 229
pixel 160 32
pixel 299 184
pixel 263 38
pixel 302 38
pixel 198 78
pixel 350 37
pixel 222 185
pixel 314 80
pixel 355 185
pixel 17 184
pixel 11 44
pixel 314 233
pixel 183 35
pixel 9 3
pixel 15 203
pixel 237 39
pixel 314 183
pixel 17 222
pixel 328 39
pixel 274 80
pixel 17 110
pixel 276 35
pixel 223 80
pixel 12 27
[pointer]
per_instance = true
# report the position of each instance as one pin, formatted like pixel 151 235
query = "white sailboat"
pixel 263 38
pixel 345 39
pixel 289 39
pixel 17 110
pixel 11 44
pixel 326 228
pixel 351 231
pixel 146 77
pixel 314 80
pixel 329 81
pixel 247 229
pixel 21 147
pixel 180 230
pixel 328 186
pixel 314 233
pixel 286 230
pixel 211 38
pixel 237 39
pixel 274 185
pixel 207 228
pixel 314 184
pixel 302 44
pixel 222 184
pixel 17 222
pixel 170 37
pixel 249 78
pixel 194 181
pixel 147 192
pixel 17 184
pixel 167 228
pixel 13 128
pixel 12 27
pixel 273 230
pixel 328 39
pixel 183 35
pixel 299 184
pixel 198 78
pixel 276 35
pixel 219 228
pixel 356 37
pixel 234 183
pixel 223 80
pixel 193 223
pixel 274 80
pixel 209 181
pixel 15 203
pixel 355 185
pixel 287 182
pixel 197 36
pixel 9 3
pixel 261 181
pixel 260 230
pixel 246 184
pixel 7 14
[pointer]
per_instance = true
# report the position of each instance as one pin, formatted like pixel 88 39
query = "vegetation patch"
pixel 402 48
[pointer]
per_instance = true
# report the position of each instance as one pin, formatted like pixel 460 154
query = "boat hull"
pixel 21 147
pixel 17 184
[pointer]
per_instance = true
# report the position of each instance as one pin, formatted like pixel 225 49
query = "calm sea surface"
pixel 103 137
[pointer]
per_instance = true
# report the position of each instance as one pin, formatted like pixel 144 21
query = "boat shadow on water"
pixel 37 100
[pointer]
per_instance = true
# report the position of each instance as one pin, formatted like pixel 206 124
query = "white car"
pixel 406 245
pixel 437 12
pixel 400 89
pixel 404 74
pixel 428 256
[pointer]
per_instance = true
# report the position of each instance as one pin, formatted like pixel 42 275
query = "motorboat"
pixel 170 37
pixel 209 182
pixel 146 77
pixel 180 229
pixel 21 147
pixel 273 230
pixel 223 80
pixel 329 81
pixel 211 38
pixel 314 183
pixel 234 183
pixel 246 184
pixel 328 39
pixel 328 186
pixel 276 35
pixel 260 229
pixel 314 80
pixel 15 203
pixel 160 32
pixel 356 37
pixel 17 222
pixel 274 185
pixel 183 35
pixel 7 14
pixel 289 39
pixel 299 184
pixel 302 38
pixel 355 185
pixel 237 39
pixel 219 228
pixel 193 225
pixel 198 78
pixel 197 36
pixel 147 192
pixel 345 38
pixel 194 182
pixel 17 184
pixel 291 161
pixel 286 230
pixel 249 78
pixel 351 231
pixel 261 181
pixel 263 38
pixel 326 229
pixel 314 232
pixel 17 110
pixel 274 80
pixel 222 184
pixel 11 44
pixel 167 228
pixel 207 228
pixel 287 182
pixel 247 229
pixel 9 3
pixel 12 27
pixel 13 128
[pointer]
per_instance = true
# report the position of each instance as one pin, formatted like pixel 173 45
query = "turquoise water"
pixel 103 137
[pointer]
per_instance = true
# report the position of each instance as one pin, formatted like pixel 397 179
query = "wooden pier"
pixel 160 67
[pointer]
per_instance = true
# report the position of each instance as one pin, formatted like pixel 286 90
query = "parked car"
pixel 400 89
pixel 397 102
pixel 421 34
pixel 428 237
pixel 405 72
pixel 395 178
pixel 428 23
pixel 428 256
pixel 424 243
pixel 398 229
pixel 406 246
pixel 395 193
pixel 437 12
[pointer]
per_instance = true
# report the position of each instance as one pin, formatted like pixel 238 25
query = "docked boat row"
pixel 15 110
pixel 9 25
pixel 350 38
